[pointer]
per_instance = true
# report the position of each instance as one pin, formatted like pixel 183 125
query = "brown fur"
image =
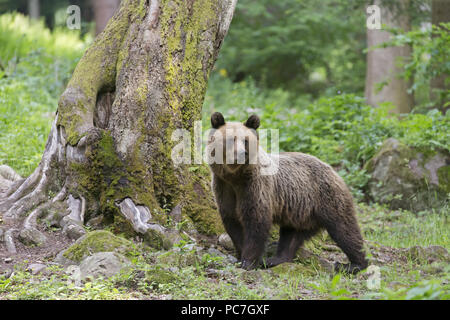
pixel 303 197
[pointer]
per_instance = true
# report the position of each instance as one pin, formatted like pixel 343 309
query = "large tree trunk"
pixel 108 155
pixel 382 63
pixel 440 12
pixel 103 11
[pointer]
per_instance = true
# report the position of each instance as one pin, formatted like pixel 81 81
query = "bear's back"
pixel 305 184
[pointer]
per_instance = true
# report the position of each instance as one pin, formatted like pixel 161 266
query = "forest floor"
pixel 408 254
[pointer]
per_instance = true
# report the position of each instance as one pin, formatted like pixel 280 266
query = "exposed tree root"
pixel 28 200
pixel 32 191
pixel 138 216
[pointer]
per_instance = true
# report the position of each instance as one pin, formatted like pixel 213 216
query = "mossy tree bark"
pixel 108 156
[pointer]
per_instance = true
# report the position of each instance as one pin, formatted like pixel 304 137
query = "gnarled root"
pixel 140 219
pixel 24 201
pixel 31 192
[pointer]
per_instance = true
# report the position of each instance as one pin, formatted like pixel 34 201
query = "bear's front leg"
pixel 256 232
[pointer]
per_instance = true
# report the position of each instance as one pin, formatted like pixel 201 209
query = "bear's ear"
pixel 217 120
pixel 252 122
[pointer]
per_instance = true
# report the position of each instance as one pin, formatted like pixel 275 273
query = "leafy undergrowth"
pixel 398 245
pixel 35 65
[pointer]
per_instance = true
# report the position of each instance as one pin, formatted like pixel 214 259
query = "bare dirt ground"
pixel 55 243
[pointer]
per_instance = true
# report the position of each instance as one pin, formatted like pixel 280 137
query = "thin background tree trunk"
pixel 33 9
pixel 103 11
pixel 382 63
pixel 440 12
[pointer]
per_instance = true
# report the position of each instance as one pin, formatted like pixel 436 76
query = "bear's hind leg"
pixel 290 241
pixel 347 235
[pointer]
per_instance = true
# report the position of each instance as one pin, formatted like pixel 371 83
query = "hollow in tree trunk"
pixel 108 156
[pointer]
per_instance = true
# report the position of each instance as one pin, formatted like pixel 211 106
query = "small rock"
pixel 215 272
pixel 51 220
pixel 67 220
pixel 6 273
pixel 326 265
pixel 74 274
pixel 232 259
pixel 8 260
pixel 175 214
pixel 74 231
pixel 226 242
pixel 170 238
pixel 105 264
pixel 36 268
pixel 95 222
pixel 32 236
pixel 215 252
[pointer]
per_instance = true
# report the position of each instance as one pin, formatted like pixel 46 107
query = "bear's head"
pixel 233 144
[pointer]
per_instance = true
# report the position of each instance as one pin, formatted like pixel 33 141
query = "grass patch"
pixel 35 65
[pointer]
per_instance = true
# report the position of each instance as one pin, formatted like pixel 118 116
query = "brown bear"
pixel 303 196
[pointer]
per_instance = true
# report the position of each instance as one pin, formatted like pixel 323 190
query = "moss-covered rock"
pixel 162 239
pixel 99 241
pixel 409 178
